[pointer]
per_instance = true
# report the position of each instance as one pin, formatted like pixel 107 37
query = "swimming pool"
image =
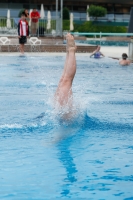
pixel 42 157
pixel 104 42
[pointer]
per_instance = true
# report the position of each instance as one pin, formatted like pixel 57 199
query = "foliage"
pixel 66 25
pixel 89 27
pixel 97 11
pixel 20 12
pixel 66 14
pixel 3 22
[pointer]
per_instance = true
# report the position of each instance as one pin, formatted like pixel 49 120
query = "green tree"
pixel 20 12
pixel 66 13
pixel 97 11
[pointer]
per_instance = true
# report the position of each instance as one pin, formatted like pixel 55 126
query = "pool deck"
pixel 108 51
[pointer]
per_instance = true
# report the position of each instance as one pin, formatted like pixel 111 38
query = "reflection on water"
pixel 65 157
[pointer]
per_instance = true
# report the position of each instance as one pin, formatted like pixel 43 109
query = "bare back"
pixel 124 62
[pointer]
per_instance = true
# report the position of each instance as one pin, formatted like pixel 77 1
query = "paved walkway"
pixel 114 51
pixel 107 51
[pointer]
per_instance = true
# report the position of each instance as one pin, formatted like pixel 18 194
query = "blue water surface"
pixel 104 42
pixel 44 157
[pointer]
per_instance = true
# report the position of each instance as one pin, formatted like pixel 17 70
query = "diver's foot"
pixel 70 42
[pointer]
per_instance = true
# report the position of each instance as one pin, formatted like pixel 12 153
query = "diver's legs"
pixel 71 65
pixel 70 43
pixel 61 79
pixel 65 66
pixel 64 91
pixel 63 94
pixel 69 70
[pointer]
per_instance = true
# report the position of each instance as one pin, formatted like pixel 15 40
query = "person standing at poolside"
pixel 26 14
pixel 124 60
pixel 34 21
pixel 97 53
pixel 63 94
pixel 23 32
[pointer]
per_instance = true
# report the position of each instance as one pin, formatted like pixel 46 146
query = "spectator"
pixel 34 21
pixel 23 32
pixel 26 14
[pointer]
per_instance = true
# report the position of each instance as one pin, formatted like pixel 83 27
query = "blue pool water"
pixel 104 42
pixel 42 157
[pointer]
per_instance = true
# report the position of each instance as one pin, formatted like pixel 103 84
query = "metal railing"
pixel 55 24
pixel 113 18
pixel 8 27
pixel 107 39
pixel 107 18
pixel 102 34
pixel 51 27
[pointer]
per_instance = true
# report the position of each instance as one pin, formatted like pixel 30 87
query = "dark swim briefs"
pixel 22 40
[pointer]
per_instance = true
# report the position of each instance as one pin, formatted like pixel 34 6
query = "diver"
pixel 63 94
pixel 124 60
pixel 97 53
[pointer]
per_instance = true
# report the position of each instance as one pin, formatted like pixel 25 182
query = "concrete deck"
pixel 112 51
pixel 108 51
pixel 48 44
pixel 51 44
